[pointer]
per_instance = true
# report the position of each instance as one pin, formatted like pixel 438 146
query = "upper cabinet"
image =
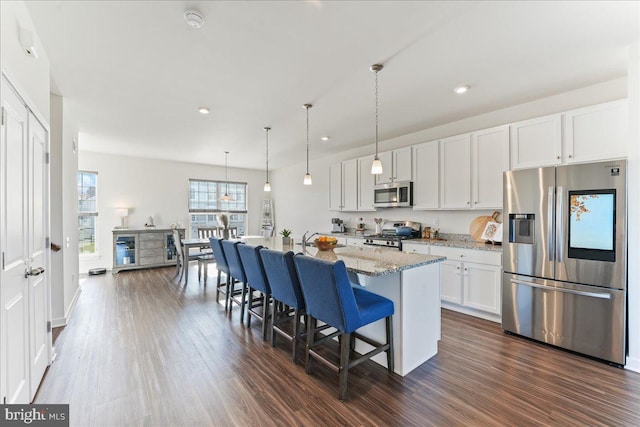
pixel 426 180
pixel 396 166
pixel 536 142
pixel 455 172
pixel 335 187
pixel 366 182
pixel 597 132
pixel 489 159
pixel 343 186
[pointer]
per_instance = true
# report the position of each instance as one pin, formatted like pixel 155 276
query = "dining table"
pixel 187 245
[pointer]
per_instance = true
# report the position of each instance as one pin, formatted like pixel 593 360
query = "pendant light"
pixel 307 176
pixel 226 197
pixel 376 166
pixel 267 186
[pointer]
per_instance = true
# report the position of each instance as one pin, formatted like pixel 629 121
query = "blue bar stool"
pixel 256 281
pixel 330 298
pixel 222 267
pixel 286 295
pixel 236 270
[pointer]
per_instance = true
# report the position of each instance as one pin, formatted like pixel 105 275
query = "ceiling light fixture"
pixel 325 138
pixel 267 186
pixel 307 176
pixel 203 110
pixel 194 18
pixel 376 166
pixel 461 89
pixel 226 197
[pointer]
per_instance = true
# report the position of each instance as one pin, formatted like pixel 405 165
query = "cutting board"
pixel 478 224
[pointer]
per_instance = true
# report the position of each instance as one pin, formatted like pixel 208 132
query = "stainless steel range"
pixel 393 233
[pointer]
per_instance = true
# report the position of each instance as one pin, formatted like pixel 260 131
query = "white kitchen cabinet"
pixel 350 185
pixel 471 281
pixel 335 187
pixel 536 142
pixel 355 241
pixel 450 281
pixel 426 180
pixel 598 132
pixel 366 182
pixel 455 172
pixel 418 248
pixel 343 186
pixel 396 166
pixel 489 159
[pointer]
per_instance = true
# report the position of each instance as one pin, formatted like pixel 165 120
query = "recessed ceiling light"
pixel 325 138
pixel 203 110
pixel 194 18
pixel 461 89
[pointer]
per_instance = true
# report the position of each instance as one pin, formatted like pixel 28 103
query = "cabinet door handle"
pixel 570 156
pixel 558 157
pixel 476 202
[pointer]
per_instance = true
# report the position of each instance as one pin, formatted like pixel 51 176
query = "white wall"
pixel 305 208
pixel 633 295
pixel 29 75
pixel 64 207
pixel 156 188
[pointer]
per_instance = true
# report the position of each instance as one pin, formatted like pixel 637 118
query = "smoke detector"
pixel 194 18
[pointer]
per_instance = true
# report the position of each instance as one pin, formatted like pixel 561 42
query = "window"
pixel 87 212
pixel 205 204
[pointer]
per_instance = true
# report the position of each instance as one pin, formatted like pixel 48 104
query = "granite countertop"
pixel 370 261
pixel 465 244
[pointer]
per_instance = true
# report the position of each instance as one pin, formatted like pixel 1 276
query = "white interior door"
pixel 14 293
pixel 37 247
pixel 24 290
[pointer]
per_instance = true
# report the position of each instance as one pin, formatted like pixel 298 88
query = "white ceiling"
pixel 134 74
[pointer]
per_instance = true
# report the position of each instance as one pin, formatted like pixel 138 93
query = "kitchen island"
pixel 410 280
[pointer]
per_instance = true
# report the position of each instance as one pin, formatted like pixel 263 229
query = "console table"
pixel 143 248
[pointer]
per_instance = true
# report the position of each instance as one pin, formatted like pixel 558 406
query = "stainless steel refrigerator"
pixel 565 257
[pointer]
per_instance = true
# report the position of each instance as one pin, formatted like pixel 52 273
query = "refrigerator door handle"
pixel 559 223
pixel 568 291
pixel 550 218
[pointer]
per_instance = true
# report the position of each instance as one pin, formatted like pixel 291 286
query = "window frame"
pixel 94 214
pixel 220 188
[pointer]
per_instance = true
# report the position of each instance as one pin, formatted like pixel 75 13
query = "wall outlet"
pixel 435 222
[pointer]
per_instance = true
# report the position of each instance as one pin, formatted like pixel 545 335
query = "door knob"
pixel 33 272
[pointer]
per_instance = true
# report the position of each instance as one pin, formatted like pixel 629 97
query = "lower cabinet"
pixel 470 279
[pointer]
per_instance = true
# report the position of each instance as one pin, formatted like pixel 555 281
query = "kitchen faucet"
pixel 305 238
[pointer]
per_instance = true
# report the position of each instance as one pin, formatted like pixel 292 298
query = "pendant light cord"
pixel 267 171
pixel 307 108
pixel 226 176
pixel 376 114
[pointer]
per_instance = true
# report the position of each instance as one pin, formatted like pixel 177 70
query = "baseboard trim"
pixel 59 322
pixel 633 364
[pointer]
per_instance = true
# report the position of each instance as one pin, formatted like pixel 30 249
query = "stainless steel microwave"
pixel 394 195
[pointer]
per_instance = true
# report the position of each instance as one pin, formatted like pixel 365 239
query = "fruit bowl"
pixel 324 243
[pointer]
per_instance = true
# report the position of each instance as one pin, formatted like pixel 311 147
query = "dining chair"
pixel 256 281
pixel 288 302
pixel 330 298
pixel 206 233
pixel 183 257
pixel 236 271
pixel 179 255
pixel 222 267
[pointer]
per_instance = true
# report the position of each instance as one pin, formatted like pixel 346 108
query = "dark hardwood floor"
pixel 143 350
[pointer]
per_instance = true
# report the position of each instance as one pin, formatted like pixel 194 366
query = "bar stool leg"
pixel 390 361
pixel 345 345
pixel 307 356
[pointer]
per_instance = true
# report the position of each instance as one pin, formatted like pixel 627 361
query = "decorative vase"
pixel 286 241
